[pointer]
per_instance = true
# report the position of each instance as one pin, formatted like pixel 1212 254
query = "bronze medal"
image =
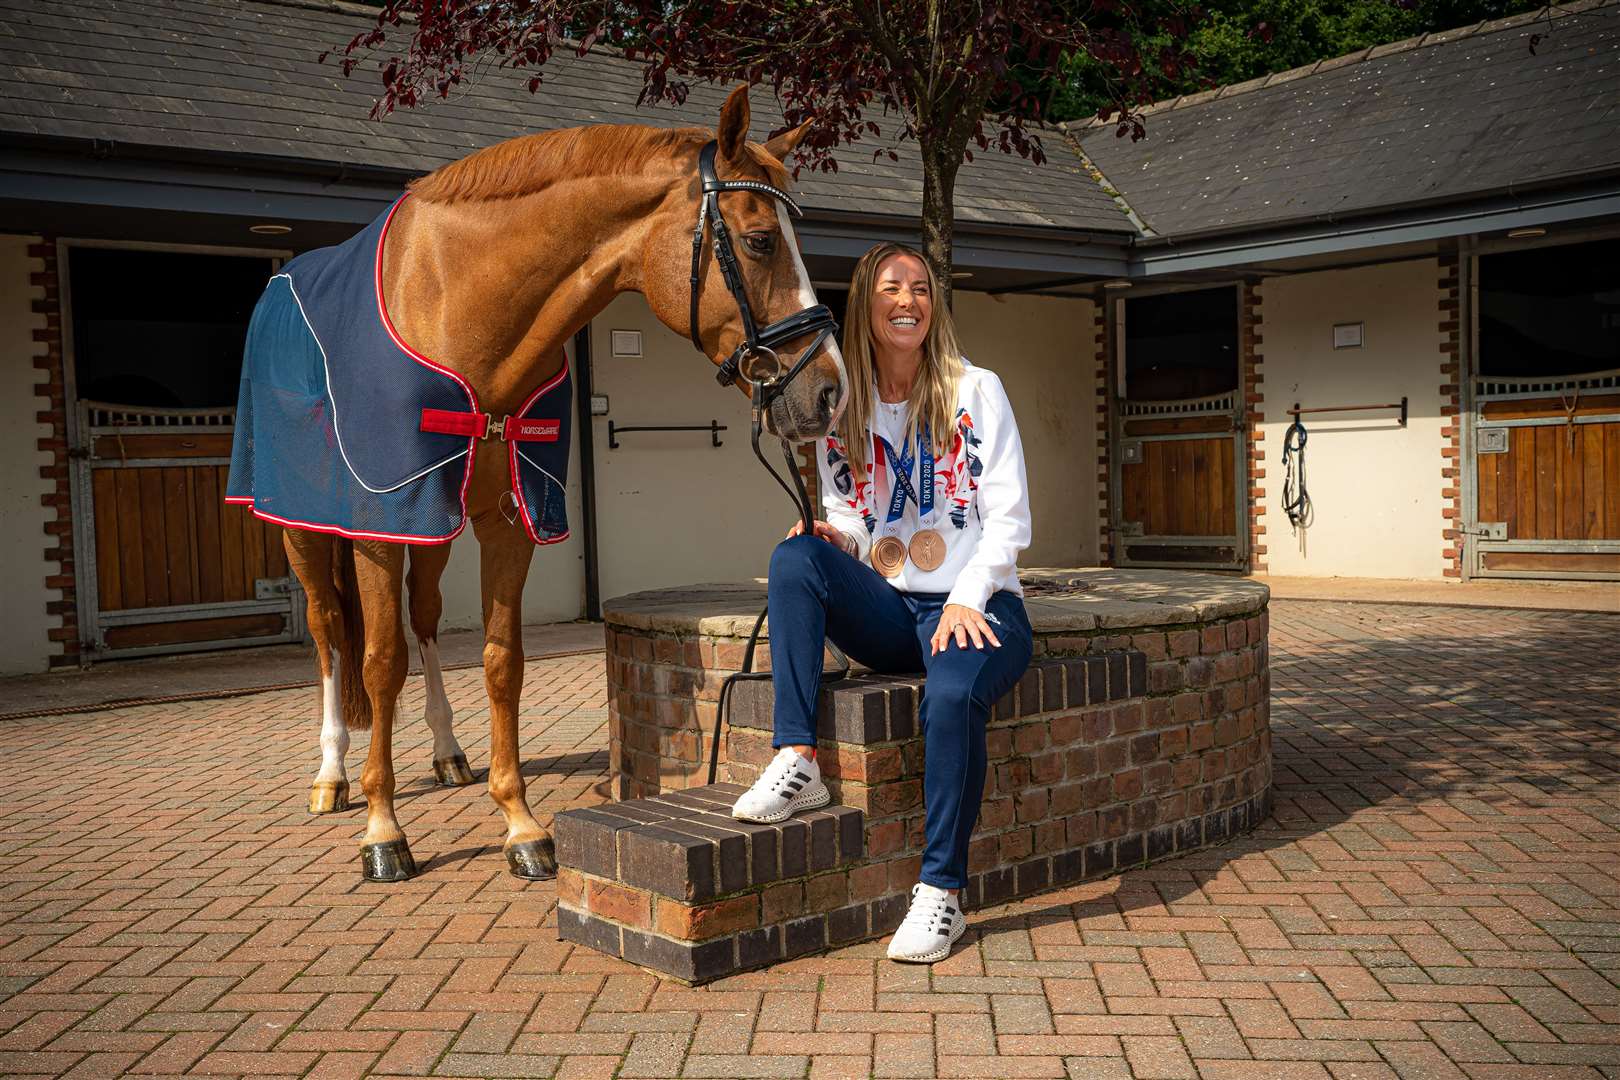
pixel 889 556
pixel 927 550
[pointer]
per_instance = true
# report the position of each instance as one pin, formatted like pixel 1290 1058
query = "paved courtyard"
pixel 1438 896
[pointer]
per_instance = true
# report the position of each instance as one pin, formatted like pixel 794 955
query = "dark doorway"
pixel 161 329
pixel 1181 345
pixel 1550 311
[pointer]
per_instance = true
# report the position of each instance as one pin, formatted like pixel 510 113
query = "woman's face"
pixel 901 305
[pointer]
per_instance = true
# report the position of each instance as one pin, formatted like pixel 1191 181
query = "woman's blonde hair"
pixel 933 394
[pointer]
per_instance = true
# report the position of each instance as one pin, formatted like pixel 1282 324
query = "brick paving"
pixel 1438 896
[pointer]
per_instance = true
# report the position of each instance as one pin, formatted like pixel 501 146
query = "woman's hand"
pixel 961 622
pixel 830 533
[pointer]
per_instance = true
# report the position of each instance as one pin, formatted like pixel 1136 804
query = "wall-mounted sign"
pixel 627 343
pixel 1347 335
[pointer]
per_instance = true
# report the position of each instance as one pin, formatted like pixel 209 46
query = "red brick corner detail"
pixel 1253 413
pixel 1104 354
pixel 59 548
pixel 1451 552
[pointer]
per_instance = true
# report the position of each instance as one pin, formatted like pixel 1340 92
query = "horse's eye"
pixel 760 243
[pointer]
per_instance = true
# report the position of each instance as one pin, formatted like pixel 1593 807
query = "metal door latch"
pixel 272 588
pixel 1489 530
pixel 1493 440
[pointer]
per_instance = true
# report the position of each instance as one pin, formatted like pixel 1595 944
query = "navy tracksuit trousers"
pixel 818 591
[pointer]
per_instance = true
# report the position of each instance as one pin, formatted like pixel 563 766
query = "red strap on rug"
pixel 484 426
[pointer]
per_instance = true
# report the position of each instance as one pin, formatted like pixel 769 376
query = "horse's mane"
pixel 530 163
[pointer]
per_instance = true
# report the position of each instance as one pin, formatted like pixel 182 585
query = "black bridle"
pixel 756 358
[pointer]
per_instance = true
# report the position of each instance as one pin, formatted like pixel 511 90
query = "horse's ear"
pixel 787 142
pixel 733 129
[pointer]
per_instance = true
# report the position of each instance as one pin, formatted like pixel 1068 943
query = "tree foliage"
pixel 955 76
pixel 1238 40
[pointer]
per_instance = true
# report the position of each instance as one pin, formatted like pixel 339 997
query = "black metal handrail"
pixel 713 427
pixel 1296 412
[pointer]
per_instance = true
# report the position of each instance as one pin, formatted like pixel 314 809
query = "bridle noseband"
pixel 755 359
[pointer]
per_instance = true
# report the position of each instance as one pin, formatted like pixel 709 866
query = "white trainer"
pixel 790 783
pixel 931 927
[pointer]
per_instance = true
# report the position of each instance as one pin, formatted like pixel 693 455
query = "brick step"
pixel 1096 764
pixel 674 883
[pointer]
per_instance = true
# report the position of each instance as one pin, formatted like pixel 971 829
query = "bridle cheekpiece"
pixel 759 343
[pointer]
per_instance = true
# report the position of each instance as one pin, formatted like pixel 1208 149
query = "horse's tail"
pixel 352 649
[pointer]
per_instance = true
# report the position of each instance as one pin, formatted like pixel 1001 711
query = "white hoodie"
pixel 981 497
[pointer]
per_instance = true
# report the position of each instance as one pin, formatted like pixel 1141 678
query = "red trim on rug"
pixel 512 457
pixel 352 534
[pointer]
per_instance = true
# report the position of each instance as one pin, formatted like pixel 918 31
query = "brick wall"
pixel 1132 739
pixel 1254 412
pixel 1149 743
pixel 53 388
pixel 1451 417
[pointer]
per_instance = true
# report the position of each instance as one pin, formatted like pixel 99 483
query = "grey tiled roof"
pixel 241 77
pixel 1443 117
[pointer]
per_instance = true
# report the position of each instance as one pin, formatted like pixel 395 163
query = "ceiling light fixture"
pixel 268 229
pixel 1116 284
pixel 1526 234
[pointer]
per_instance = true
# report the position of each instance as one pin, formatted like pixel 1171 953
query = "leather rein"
pixel 755 360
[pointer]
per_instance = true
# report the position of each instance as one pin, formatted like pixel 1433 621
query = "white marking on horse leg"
pixel 436 708
pixel 334 736
pixel 807 298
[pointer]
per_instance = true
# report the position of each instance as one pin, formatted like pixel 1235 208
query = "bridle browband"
pixel 755 359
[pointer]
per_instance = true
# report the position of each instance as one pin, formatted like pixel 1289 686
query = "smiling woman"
pixel 932 586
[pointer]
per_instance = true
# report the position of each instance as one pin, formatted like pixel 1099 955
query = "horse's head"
pixel 770 275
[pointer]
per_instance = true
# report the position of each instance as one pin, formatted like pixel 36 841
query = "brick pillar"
pixel 1451 413
pixel 1253 412
pixel 47 305
pixel 1104 365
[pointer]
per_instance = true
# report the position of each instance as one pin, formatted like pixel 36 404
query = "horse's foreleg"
pixel 504 553
pixel 310 556
pixel 379 568
pixel 427 564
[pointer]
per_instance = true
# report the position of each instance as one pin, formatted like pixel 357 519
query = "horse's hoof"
pixel 388 861
pixel 535 860
pixel 329 796
pixel 452 772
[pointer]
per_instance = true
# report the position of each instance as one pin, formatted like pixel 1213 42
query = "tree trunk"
pixel 939 211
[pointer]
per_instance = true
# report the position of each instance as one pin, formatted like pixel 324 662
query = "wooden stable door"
pixel 1178 483
pixel 175 567
pixel 1547 476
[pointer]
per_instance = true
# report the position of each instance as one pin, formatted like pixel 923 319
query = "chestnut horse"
pixel 491 265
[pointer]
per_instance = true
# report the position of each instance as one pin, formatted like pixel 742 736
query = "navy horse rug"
pixel 342 427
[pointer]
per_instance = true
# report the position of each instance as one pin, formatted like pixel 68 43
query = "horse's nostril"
pixel 829 400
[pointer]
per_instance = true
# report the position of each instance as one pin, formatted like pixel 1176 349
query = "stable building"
pixel 1410 237
pixel 1400 226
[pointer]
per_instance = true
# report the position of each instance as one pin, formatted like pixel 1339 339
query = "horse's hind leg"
pixel 310 556
pixel 426 605
pixel 379 568
pixel 504 554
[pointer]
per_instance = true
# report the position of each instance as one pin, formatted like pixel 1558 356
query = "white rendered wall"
pixel 1044 349
pixel 673 510
pixel 1375 486
pixel 24 646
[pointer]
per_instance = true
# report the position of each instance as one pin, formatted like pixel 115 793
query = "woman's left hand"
pixel 962 623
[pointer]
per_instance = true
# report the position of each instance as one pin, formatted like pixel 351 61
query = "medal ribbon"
pixel 903 489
